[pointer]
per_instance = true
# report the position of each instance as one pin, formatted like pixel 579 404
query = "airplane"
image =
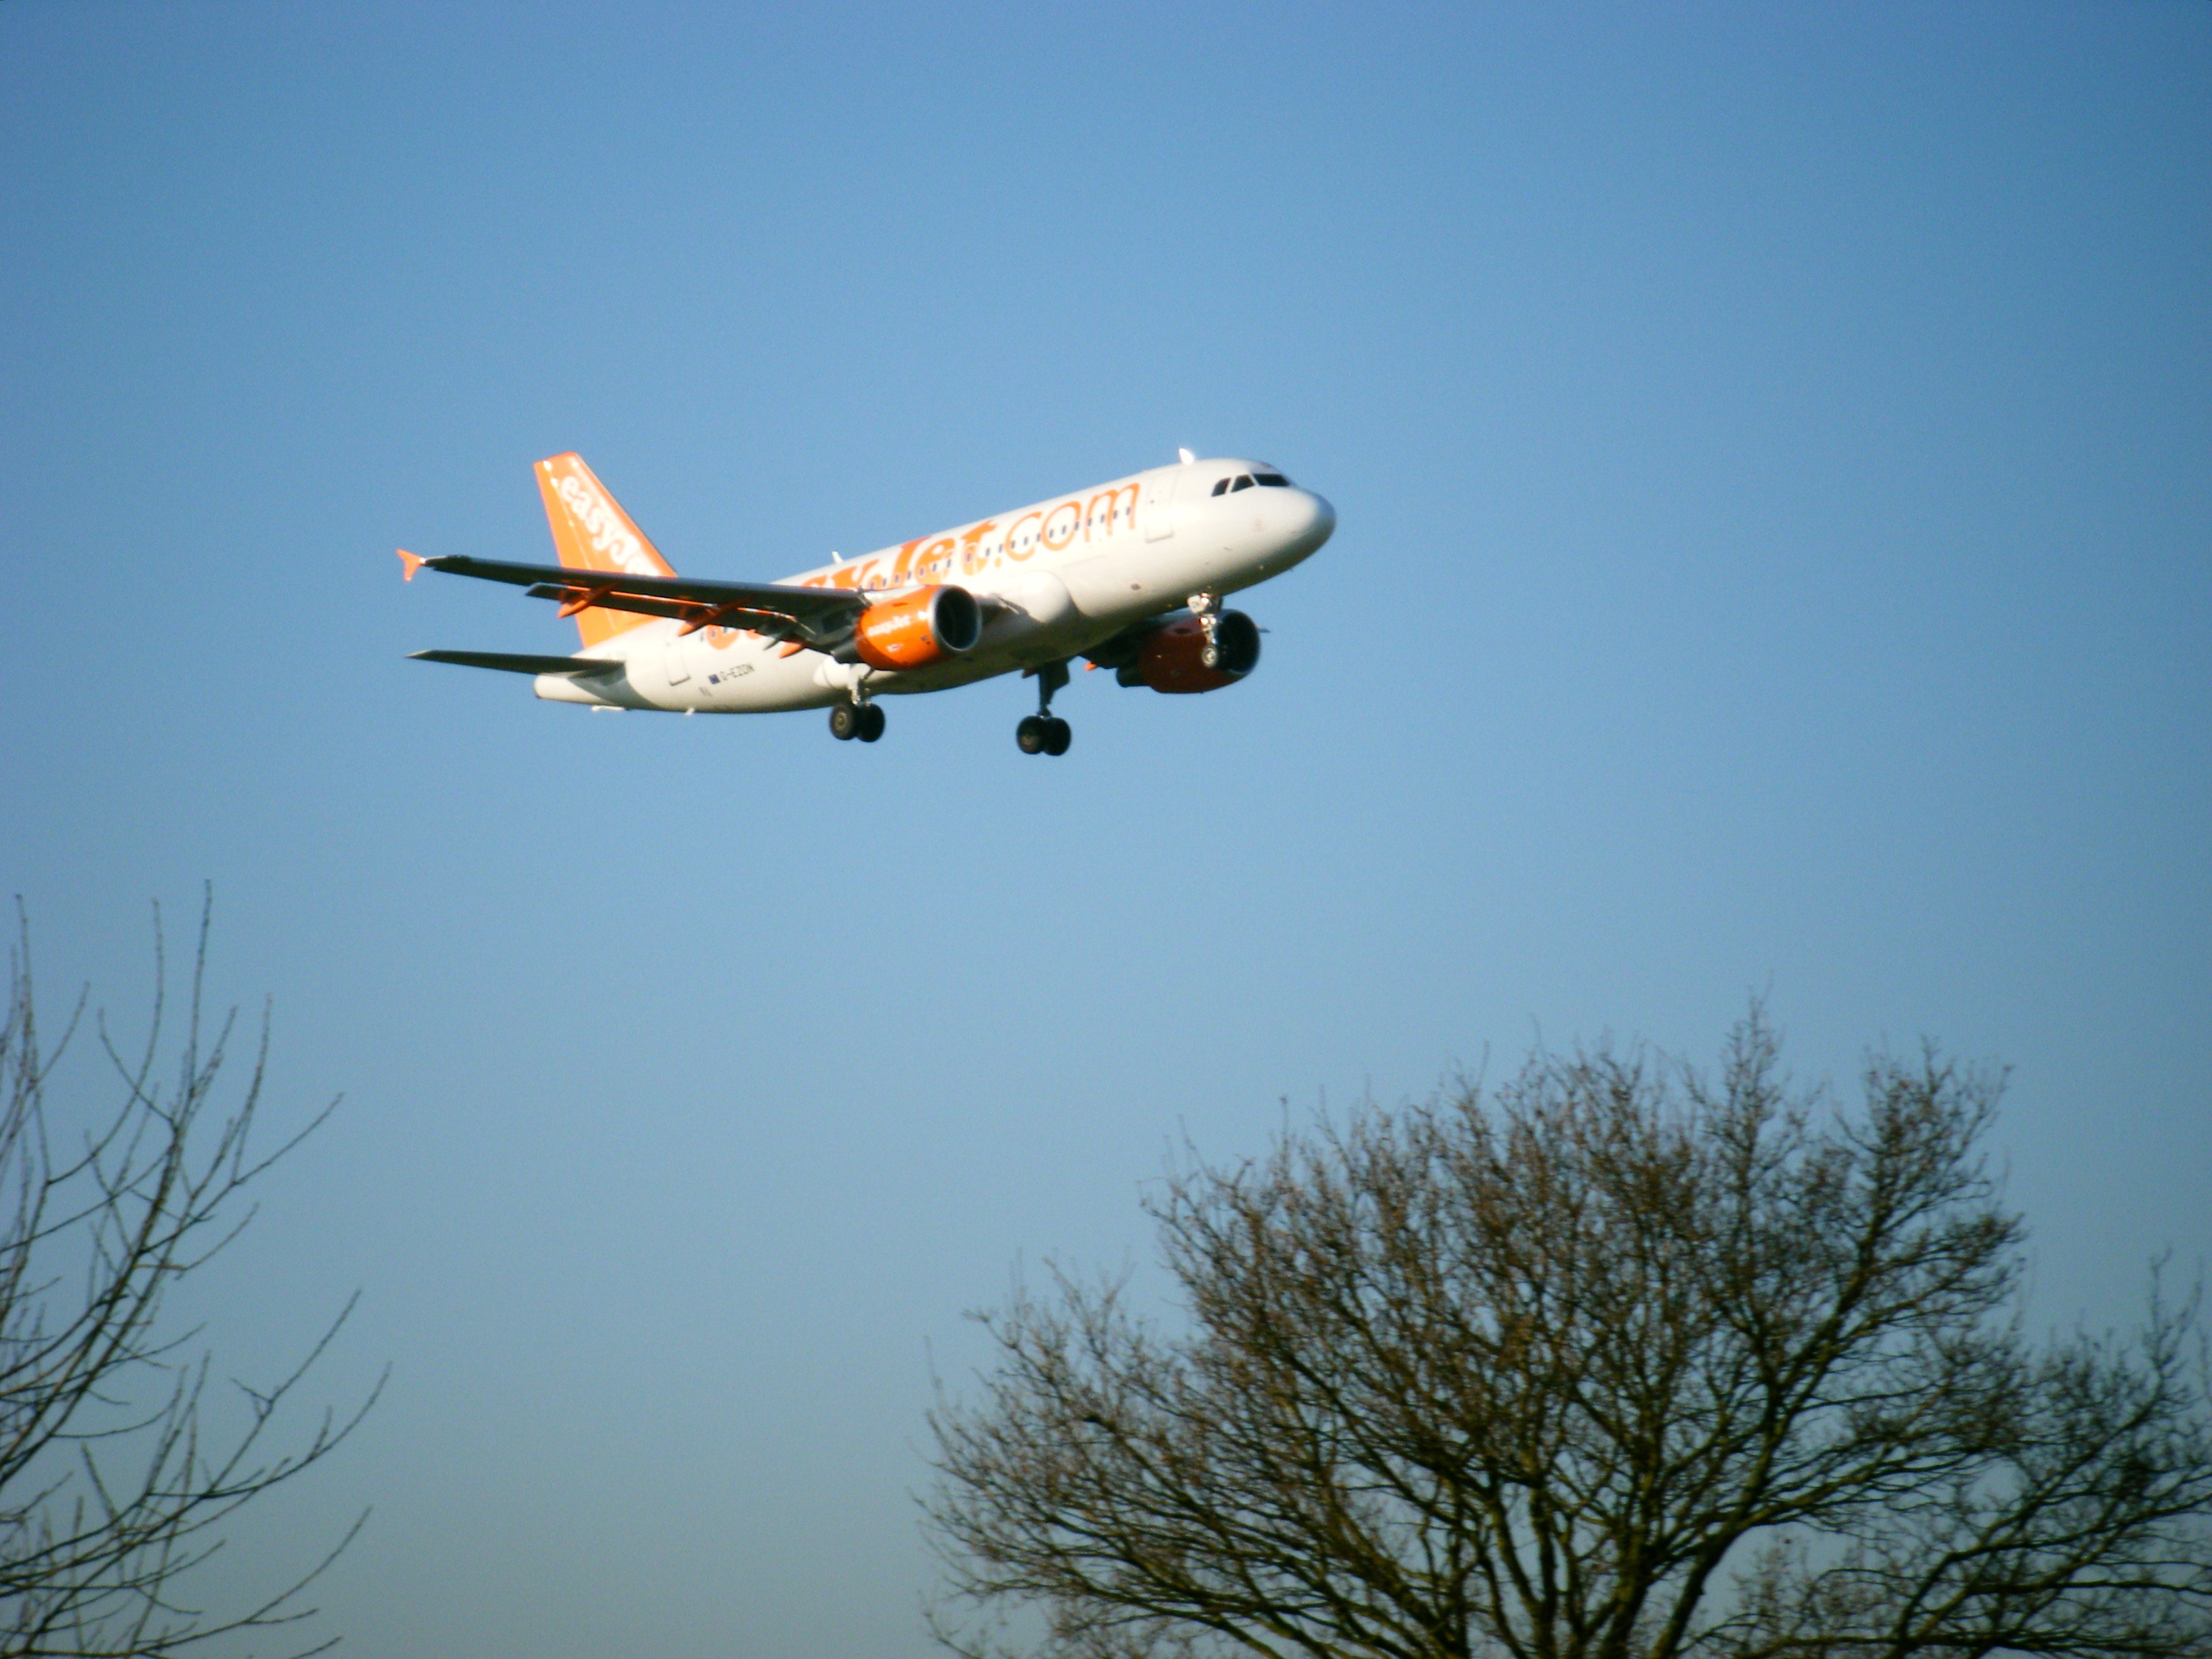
pixel 1128 575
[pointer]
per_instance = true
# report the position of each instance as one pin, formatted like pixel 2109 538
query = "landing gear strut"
pixel 1207 607
pixel 864 720
pixel 1044 732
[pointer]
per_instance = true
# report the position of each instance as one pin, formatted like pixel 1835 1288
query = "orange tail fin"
pixel 590 532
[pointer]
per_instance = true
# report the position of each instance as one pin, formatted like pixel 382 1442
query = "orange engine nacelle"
pixel 923 628
pixel 1180 658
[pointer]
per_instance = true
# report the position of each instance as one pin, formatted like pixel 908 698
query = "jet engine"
pixel 1181 658
pixel 923 628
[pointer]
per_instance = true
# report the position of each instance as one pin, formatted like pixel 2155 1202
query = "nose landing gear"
pixel 1044 732
pixel 1207 607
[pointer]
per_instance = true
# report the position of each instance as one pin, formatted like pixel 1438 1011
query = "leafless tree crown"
pixel 115 1479
pixel 1617 1361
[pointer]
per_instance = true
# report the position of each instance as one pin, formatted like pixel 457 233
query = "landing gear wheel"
pixel 872 722
pixel 845 721
pixel 1041 733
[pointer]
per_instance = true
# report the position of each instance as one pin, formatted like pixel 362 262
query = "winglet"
pixel 410 562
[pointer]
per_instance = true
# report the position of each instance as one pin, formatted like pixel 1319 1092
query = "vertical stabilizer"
pixel 591 532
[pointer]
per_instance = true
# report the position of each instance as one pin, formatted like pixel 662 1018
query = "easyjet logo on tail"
pixel 619 547
pixel 590 532
pixel 599 534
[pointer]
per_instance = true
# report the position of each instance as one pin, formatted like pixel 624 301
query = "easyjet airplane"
pixel 1129 576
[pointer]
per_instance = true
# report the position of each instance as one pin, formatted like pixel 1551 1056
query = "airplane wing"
pixel 518 663
pixel 808 613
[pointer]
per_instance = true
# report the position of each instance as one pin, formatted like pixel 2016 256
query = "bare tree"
pixel 1615 1362
pixel 118 1468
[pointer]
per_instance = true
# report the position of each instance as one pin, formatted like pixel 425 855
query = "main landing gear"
pixel 1045 733
pixel 864 720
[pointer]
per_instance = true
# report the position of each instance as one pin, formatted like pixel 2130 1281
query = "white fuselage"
pixel 1056 578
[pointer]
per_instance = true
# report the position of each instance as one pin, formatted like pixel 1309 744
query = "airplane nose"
pixel 1315 525
pixel 1324 524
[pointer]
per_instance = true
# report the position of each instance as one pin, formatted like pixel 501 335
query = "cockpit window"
pixel 1246 480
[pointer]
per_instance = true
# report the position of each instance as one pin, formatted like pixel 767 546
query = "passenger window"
pixel 1244 483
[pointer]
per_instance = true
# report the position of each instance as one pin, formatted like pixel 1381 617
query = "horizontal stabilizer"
pixel 520 663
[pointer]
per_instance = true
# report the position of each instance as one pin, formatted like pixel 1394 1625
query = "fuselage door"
pixel 1159 498
pixel 672 658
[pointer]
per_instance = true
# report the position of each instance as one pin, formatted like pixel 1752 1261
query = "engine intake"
pixel 1179 657
pixel 919 630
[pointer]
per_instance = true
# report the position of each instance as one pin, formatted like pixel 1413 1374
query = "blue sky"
pixel 1773 452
